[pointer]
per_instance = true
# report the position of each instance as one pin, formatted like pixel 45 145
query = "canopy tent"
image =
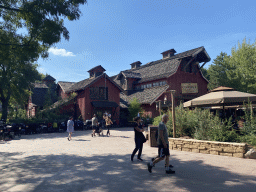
pixel 221 96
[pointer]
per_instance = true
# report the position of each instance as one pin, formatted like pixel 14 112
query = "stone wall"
pixel 209 147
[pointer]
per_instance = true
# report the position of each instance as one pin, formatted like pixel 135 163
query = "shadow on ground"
pixel 113 173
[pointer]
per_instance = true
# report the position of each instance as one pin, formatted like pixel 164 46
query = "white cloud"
pixel 60 52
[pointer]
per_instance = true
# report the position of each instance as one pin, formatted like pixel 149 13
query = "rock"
pixel 251 154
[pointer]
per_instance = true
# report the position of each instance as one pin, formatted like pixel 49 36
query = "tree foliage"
pixel 134 108
pixel 217 71
pixel 237 70
pixel 27 29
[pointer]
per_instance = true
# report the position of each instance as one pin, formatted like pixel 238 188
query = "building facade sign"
pixel 189 88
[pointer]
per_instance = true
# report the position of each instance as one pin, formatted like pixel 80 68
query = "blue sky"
pixel 116 33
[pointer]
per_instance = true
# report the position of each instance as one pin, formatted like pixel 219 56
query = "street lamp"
pixel 165 99
pixel 173 113
pixel 158 106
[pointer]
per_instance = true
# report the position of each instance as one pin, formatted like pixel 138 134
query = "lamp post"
pixel 165 99
pixel 173 113
pixel 158 106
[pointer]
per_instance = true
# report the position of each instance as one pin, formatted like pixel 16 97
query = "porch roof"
pixel 104 104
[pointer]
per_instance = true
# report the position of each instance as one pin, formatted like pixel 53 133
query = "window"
pixel 98 74
pixel 103 93
pixel 94 92
pixel 99 93
pixel 149 85
pixel 160 83
pixel 142 86
pixel 164 82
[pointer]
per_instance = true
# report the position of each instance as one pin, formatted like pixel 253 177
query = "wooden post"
pixel 159 107
pixel 173 114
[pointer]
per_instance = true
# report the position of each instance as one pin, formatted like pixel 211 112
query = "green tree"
pixel 17 72
pixel 217 71
pixel 243 63
pixel 237 70
pixel 205 73
pixel 134 108
pixel 27 29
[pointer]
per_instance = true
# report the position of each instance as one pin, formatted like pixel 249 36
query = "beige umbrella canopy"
pixel 221 96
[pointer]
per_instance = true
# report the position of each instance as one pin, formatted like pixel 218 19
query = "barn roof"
pixel 145 96
pixel 38 96
pixel 85 83
pixel 49 78
pixel 164 67
pixel 40 85
pixel 65 85
pixel 98 66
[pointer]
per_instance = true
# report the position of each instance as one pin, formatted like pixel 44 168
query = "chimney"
pixel 168 53
pixel 135 65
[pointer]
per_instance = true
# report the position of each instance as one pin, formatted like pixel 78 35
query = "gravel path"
pixel 49 162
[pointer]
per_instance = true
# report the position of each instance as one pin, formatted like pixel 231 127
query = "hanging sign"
pixel 189 88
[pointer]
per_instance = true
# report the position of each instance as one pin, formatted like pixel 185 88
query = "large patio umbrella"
pixel 221 96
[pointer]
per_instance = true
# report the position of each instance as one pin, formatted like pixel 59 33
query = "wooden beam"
pixel 173 115
pixel 202 65
pixel 189 62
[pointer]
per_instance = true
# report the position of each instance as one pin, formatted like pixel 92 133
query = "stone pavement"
pixel 49 162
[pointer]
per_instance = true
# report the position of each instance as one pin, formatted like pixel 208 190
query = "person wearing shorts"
pixel 163 146
pixel 70 127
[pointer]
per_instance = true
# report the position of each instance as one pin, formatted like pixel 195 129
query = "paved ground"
pixel 49 162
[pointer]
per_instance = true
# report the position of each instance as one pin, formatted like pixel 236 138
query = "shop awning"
pixel 104 104
pixel 220 97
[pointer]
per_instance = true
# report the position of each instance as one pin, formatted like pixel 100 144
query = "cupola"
pixel 168 53
pixel 135 65
pixel 96 71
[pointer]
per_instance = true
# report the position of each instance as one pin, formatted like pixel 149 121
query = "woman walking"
pixel 94 125
pixel 108 123
pixel 139 138
pixel 70 127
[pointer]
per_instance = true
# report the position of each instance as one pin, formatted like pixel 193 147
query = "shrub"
pixel 134 108
pixel 199 124
pixel 156 120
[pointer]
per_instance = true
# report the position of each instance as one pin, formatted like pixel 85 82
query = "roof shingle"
pixel 161 68
pixel 65 85
pixel 84 83
pixel 49 78
pixel 145 96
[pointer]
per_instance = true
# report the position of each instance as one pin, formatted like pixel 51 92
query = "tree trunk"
pixel 4 109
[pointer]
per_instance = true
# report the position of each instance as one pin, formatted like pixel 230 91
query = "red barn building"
pixel 95 95
pixel 150 82
pixel 39 94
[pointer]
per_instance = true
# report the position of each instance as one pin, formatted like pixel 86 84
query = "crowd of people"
pixel 139 138
pixel 106 122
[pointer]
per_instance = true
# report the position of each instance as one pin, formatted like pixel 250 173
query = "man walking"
pixel 163 146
